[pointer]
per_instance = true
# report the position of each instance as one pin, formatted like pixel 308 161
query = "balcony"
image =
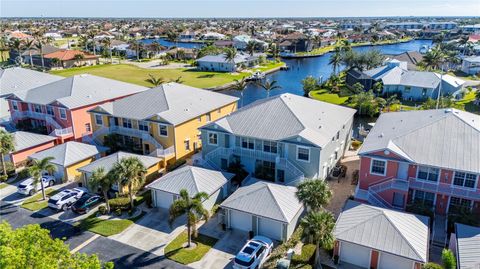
pixel 445 189
pixel 59 130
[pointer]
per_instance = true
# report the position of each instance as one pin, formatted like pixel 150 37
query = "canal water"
pixel 168 44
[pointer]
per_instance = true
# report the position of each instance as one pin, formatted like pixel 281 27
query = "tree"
pixel 477 96
pixel 230 54
pixel 335 59
pixel 318 229
pixel 390 101
pixel 29 44
pixel 135 45
pixel 39 46
pixel 107 44
pixel 240 86
pixel 431 265
pixel 91 37
pixel 102 180
pixel 433 58
pixel 358 87
pixel 192 207
pixel 274 50
pixel 269 85
pixel 448 259
pixel 314 194
pixel 366 103
pixel 208 50
pixel 6 146
pixel 155 81
pixel 55 61
pixel 251 47
pixel 31 246
pixel 378 88
pixel 131 173
pixel 309 84
pixel 3 47
pixel 36 170
pixel 334 82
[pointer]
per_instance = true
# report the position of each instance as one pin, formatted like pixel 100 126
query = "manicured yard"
pixel 306 258
pixel 467 103
pixel 176 252
pixel 106 227
pixel 333 98
pixel 33 202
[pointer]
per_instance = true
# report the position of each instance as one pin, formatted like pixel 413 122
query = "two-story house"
pixel 283 139
pixel 430 157
pixel 60 108
pixel 163 121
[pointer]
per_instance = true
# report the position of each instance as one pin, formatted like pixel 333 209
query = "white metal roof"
pixel 447 138
pixel 192 178
pixel 270 200
pixel 20 79
pixel 25 140
pixel 391 231
pixel 69 153
pixel 468 246
pixel 109 161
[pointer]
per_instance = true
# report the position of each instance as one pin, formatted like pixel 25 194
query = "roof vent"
pixel 380 135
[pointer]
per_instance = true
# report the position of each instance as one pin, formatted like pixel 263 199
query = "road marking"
pixel 82 245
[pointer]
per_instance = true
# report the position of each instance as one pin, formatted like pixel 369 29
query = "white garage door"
pixel 355 254
pixel 163 199
pixel 388 261
pixel 270 228
pixel 240 220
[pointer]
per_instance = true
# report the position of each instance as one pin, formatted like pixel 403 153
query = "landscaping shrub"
pixel 356 144
pixel 176 164
pixel 448 259
pixel 3 178
pixel 10 169
pixel 281 249
pixel 23 174
pixel 120 203
pixel 431 265
pixel 306 257
pixel 102 209
pixel 118 212
pixel 144 197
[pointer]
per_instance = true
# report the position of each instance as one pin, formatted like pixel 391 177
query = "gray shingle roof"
pixel 269 200
pixel 20 79
pixel 69 153
pixel 447 138
pixel 192 178
pixel 468 246
pixel 25 140
pixel 109 161
pixel 286 116
pixel 395 232
pixel 172 102
pixel 78 91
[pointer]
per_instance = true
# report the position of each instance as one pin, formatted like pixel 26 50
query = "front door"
pixel 227 141
pixel 402 172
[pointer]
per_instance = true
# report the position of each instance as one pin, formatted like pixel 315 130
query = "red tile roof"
pixel 65 55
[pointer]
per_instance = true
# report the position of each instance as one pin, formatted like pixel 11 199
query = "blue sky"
pixel 237 8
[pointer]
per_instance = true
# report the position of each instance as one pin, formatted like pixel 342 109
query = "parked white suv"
pixel 27 188
pixel 254 253
pixel 64 199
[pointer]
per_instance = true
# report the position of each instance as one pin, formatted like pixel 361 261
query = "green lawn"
pixel 176 252
pixel 333 98
pixel 33 202
pixel 133 74
pixel 106 227
pixel 3 185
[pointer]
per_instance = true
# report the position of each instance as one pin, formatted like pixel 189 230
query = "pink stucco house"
pixel 430 157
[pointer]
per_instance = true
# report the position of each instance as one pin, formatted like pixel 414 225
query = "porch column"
pixel 373 259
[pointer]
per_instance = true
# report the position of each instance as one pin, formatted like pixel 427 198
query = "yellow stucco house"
pixel 163 121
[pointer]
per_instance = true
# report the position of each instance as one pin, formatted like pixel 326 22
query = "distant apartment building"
pixel 441 25
pixel 474 28
pixel 404 26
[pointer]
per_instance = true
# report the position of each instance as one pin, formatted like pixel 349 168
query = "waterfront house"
pixel 283 139
pixel 188 36
pixel 34 54
pixel 471 65
pixel 26 144
pixel 60 108
pixel 373 237
pixel 431 157
pixel 163 121
pixel 465 244
pixel 66 58
pixel 219 63
pixel 296 42
pixel 412 58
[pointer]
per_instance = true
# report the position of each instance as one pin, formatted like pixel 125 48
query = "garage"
pixel 163 199
pixel 355 254
pixel 388 261
pixel 240 220
pixel 270 228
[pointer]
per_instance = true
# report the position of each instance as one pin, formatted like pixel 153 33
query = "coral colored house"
pixel 60 108
pixel 27 144
pixel 430 157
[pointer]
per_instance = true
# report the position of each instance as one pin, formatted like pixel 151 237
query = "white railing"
pixel 163 152
pixel 257 154
pixel 375 199
pixel 290 168
pixel 392 183
pixel 62 132
pixel 38 116
pixel 137 133
pixel 445 188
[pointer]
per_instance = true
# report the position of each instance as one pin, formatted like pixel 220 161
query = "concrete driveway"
pixel 152 233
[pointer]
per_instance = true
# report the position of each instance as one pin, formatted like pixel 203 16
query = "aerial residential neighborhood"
pixel 233 134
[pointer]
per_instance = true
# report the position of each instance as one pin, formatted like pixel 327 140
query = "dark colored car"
pixel 84 204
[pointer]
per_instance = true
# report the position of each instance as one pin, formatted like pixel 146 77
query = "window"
pixel 63 113
pixel 425 198
pixel 458 205
pixel 219 110
pixel 200 119
pixel 280 175
pixel 338 135
pixel 303 154
pixel 208 117
pixel 378 167
pixel 269 146
pixel 187 144
pixel 88 128
pixel 248 143
pixel 15 105
pixel 428 173
pixel 407 89
pixel 212 139
pixel 465 179
pixel 37 108
pixel 50 110
pixel 336 155
pixel 98 119
pixel 127 123
pixel 163 130
pixel 143 126
pixel 424 91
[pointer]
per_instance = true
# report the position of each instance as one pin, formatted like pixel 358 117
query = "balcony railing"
pixel 164 153
pixel 445 188
pixel 38 116
pixel 146 136
pixel 62 132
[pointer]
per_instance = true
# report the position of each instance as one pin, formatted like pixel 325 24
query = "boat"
pixel 362 131
pixel 256 76
pixel 424 49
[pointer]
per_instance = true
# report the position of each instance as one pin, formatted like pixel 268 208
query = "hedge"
pixel 122 203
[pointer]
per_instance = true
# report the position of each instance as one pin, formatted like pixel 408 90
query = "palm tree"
pixel 192 207
pixel 84 40
pixel 433 58
pixel 107 44
pixel 268 86
pixel 155 81
pixel 39 46
pixel 240 86
pixel 336 59
pixel 230 54
pixel 251 46
pixel 390 101
pixel 103 181
pixel 134 44
pixel 28 45
pixel 17 45
pixel 131 173
pixel 314 193
pixel 36 170
pixel 6 146
pixel 3 47
pixel 345 45
pixel 318 229
pixel 91 37
pixel 55 61
pixel 378 88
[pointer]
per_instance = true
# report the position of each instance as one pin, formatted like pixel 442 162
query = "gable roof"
pixel 78 91
pixel 66 54
pixel 17 79
pixel 107 162
pixel 270 200
pixel 468 246
pixel 391 231
pixel 286 116
pixel 192 178
pixel 447 138
pixel 69 153
pixel 25 140
pixel 172 102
